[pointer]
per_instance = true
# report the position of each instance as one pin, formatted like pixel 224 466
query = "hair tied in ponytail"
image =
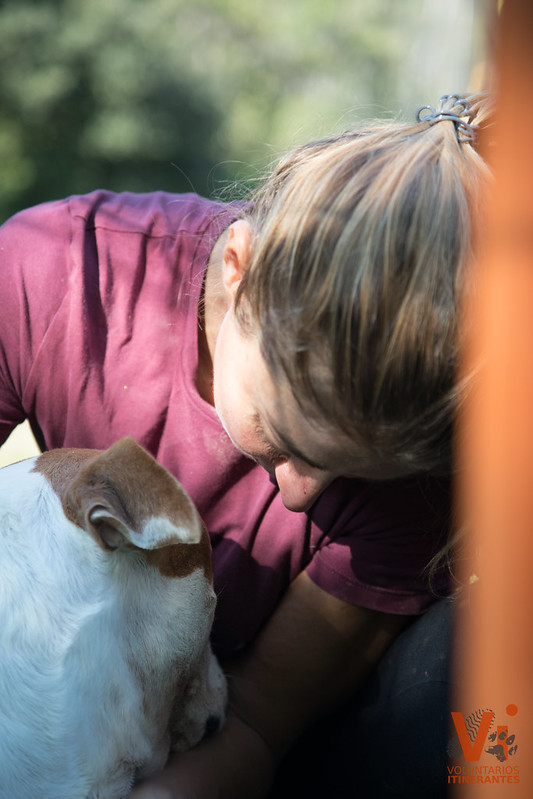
pixel 453 108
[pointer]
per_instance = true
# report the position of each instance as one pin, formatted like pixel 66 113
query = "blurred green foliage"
pixel 177 94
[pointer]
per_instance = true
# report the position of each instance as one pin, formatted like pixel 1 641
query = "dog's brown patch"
pixel 179 560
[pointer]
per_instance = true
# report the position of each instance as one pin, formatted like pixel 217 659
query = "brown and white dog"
pixel 106 605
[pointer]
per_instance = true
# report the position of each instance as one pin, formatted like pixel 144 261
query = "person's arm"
pixel 312 654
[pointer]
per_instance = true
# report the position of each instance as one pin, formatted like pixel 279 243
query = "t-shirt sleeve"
pixel 32 245
pixel 375 546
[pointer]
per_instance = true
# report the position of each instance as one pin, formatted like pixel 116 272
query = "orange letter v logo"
pixel 472 751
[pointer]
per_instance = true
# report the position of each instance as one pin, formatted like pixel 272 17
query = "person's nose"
pixel 300 484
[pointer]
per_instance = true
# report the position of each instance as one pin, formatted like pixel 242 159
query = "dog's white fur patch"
pixel 104 651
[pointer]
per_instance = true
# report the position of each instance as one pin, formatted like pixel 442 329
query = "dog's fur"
pixel 106 604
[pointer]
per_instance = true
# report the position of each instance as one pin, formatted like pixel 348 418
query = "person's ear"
pixel 236 256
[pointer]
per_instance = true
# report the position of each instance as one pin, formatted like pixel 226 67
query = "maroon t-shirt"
pixel 98 339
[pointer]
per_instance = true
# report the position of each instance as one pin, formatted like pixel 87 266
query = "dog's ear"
pixel 123 495
pixel 106 524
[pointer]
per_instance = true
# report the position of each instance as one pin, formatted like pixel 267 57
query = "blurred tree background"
pixel 200 94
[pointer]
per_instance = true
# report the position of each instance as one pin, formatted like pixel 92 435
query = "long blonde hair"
pixel 359 248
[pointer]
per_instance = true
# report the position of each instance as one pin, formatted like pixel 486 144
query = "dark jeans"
pixel 391 739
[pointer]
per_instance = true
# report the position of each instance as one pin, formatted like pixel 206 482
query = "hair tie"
pixel 454 108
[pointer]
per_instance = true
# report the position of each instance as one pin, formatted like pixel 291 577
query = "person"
pixel 292 360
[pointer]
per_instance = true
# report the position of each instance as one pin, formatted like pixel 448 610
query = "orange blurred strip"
pixel 495 630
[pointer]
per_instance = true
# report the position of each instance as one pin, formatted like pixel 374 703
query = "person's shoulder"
pixel 155 214
pixel 377 539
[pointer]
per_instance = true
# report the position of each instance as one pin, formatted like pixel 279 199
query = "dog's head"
pixel 153 543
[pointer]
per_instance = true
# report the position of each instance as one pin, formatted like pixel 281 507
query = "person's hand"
pixel 232 764
pixel 153 791
pixel 186 776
